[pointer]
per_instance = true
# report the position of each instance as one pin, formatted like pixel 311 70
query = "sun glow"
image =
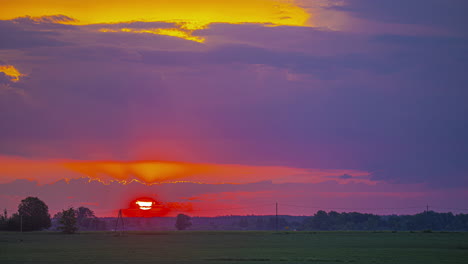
pixel 149 207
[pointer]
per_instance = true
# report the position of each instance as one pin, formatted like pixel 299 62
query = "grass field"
pixel 235 247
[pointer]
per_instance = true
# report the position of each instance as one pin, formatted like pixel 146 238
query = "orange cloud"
pixel 12 72
pixel 43 171
pixel 154 172
pixel 165 171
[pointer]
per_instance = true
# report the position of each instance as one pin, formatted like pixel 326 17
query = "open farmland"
pixel 235 247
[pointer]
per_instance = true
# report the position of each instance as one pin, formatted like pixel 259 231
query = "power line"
pixel 276 217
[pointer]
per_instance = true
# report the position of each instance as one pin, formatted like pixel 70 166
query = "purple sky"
pixel 371 87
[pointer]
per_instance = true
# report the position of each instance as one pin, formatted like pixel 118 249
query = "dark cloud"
pixel 51 22
pixel 330 67
pixel 80 53
pixel 448 14
pixel 346 176
pixel 433 41
pixel 4 79
pixel 310 40
pixel 14 36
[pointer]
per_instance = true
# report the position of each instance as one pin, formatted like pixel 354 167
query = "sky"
pixel 227 107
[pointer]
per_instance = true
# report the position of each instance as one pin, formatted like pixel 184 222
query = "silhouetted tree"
pixel 57 216
pixel 85 218
pixel 4 220
pixel 183 222
pixel 33 213
pixel 320 221
pixel 68 221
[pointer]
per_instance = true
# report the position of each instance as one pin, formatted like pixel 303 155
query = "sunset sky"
pixel 226 107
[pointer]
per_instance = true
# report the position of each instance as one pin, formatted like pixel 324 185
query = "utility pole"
pixel 21 223
pixel 429 224
pixel 276 216
pixel 120 218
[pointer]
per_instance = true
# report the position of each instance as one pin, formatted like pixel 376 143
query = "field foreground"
pixel 234 247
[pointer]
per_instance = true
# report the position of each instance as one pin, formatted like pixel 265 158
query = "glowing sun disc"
pixel 144 205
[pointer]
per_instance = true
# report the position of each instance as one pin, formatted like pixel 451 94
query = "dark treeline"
pixel 86 220
pixel 428 220
pixel 321 221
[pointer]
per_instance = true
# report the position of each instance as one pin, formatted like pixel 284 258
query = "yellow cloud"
pixel 12 72
pixel 190 14
pixel 173 32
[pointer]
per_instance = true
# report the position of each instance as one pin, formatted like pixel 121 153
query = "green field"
pixel 235 247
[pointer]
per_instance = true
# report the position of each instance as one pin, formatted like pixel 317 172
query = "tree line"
pixel 353 221
pixel 33 214
pixel 428 220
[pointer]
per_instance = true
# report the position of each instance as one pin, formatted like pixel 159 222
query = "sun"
pixel 145 204
pixel 146 207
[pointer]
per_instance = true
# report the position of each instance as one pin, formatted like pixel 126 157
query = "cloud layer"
pixel 291 91
pixel 156 172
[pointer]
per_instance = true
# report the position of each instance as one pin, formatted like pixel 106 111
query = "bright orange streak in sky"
pixel 11 71
pixel 192 14
pixel 164 171
pixel 151 172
